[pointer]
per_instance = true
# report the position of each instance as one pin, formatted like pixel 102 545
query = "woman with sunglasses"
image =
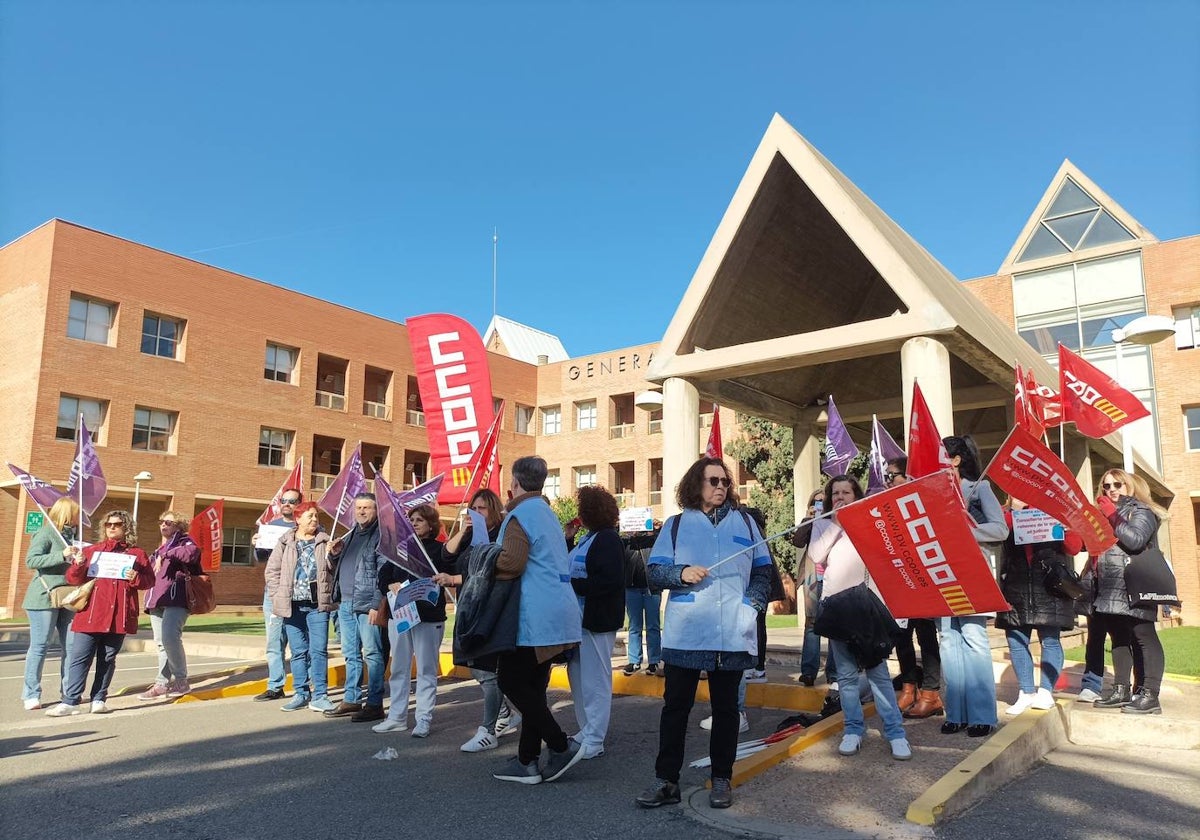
pixel 710 621
pixel 1125 500
pixel 111 613
pixel 174 561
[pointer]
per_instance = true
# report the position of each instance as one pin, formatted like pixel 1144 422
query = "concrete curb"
pixel 1012 751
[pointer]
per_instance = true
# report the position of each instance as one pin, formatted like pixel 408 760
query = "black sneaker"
pixel 980 730
pixel 721 795
pixel 523 774
pixel 652 670
pixel 558 763
pixel 631 669
pixel 269 694
pixel 662 793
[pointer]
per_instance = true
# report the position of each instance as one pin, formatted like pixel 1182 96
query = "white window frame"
pixel 581 476
pixel 1188 428
pixel 270 446
pixel 551 419
pixel 524 419
pixel 586 415
pixel 552 489
pixel 95 412
pixel 97 314
pixel 158 422
pixel 271 369
pixel 1187 327
pixel 176 342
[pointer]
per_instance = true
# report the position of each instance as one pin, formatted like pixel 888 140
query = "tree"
pixel 766 450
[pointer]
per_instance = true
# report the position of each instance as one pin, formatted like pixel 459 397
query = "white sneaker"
pixel 1043 699
pixel 1087 696
pixel 743 723
pixel 99 707
pixel 63 710
pixel 1024 701
pixel 508 725
pixel 421 730
pixel 389 725
pixel 32 704
pixel 850 744
pixel 901 751
pixel 753 676
pixel 482 740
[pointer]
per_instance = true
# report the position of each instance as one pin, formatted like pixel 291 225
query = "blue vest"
pixel 549 612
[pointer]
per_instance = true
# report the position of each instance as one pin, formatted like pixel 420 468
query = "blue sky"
pixel 363 152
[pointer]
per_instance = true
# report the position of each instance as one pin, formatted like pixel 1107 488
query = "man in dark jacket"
pixel 358 562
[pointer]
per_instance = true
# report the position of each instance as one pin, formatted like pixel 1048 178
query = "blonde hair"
pixel 180 521
pixel 123 515
pixel 1137 487
pixel 64 512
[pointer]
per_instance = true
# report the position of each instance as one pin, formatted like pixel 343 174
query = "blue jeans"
pixel 308 634
pixel 360 640
pixel 42 623
pixel 851 693
pixel 103 647
pixel 643 607
pixel 1022 659
pixel 276 644
pixel 967 670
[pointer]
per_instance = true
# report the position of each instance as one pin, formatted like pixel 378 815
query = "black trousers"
pixel 523 681
pixel 679 695
pixel 1135 646
pixel 761 663
pixel 931 654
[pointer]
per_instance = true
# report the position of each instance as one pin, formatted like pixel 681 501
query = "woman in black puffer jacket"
pixel 1125 500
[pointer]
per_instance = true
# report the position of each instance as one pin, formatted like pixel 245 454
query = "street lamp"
pixel 651 400
pixel 1146 330
pixel 144 475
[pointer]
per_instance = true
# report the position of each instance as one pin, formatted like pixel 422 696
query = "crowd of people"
pixel 533 594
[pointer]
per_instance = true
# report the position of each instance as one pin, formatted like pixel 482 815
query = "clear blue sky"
pixel 364 151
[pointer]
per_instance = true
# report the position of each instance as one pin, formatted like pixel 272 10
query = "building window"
pixel 152 429
pixel 585 415
pixel 235 547
pixel 552 489
pixel 273 447
pixel 551 420
pixel 1187 327
pixel 161 335
pixel 280 362
pixel 1073 222
pixel 90 320
pixel 585 476
pixel 1191 424
pixel 69 409
pixel 524 415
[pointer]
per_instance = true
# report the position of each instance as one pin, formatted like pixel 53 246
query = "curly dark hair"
pixel 689 493
pixel 597 508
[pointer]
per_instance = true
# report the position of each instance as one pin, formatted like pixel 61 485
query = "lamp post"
pixel 144 475
pixel 1144 331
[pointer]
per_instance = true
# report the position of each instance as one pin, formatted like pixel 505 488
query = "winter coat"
pixel 172 563
pixel 113 605
pixel 390 573
pixel 1022 580
pixel 487 618
pixel 360 547
pixel 603 590
pixel 45 557
pixel 1136 528
pixel 281 574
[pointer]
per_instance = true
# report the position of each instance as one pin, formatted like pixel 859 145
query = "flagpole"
pixel 462 505
pixel 495 240
pixel 79 459
pixel 766 540
pixel 342 500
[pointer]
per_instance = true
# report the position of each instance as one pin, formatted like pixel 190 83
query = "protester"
pixel 300 582
pixel 643 606
pixel 844 569
pixel 811 577
pixel 758 674
pixel 966 655
pixel 111 613
pixel 718 586
pixel 422 641
pixel 1023 571
pixel 357 562
pixel 920 689
pixel 176 558
pixel 49 557
pixel 533 550
pixel 289 497
pixel 598 578
pixel 1135 517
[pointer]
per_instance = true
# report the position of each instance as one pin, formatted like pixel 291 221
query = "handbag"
pixel 382 614
pixel 200 596
pixel 1062 581
pixel 56 594
pixel 1149 581
pixel 77 598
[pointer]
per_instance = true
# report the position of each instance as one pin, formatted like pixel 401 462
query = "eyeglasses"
pixel 167 522
pixel 889 477
pixel 1115 485
pixel 289 501
pixel 713 481
pixel 114 524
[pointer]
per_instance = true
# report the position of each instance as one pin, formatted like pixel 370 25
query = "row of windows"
pixel 153 428
pixel 92 320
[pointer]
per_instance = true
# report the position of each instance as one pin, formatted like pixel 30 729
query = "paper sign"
pixel 637 519
pixel 405 617
pixel 1031 525
pixel 268 536
pixel 109 564
pixel 415 590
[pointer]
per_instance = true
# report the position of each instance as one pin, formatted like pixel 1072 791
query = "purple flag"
pixel 87 484
pixel 338 500
pixel 883 449
pixel 422 494
pixel 839 448
pixel 44 493
pixel 397 539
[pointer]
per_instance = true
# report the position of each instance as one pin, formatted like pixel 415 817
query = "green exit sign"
pixel 34 521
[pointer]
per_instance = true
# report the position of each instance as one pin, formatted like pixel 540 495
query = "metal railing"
pixel 377 409
pixel 415 418
pixel 621 430
pixel 654 427
pixel 330 400
pixel 706 420
pixel 624 500
pixel 321 481
pixel 655 497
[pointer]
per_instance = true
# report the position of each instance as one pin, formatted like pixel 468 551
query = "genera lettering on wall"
pixel 607 367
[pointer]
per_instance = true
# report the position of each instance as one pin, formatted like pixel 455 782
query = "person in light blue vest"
pixel 549 627
pixel 713 559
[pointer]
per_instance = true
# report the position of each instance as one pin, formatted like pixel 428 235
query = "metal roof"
pixel 524 342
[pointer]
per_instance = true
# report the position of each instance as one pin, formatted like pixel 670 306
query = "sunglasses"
pixel 1115 485
pixel 289 501
pixel 114 524
pixel 713 481
pixel 889 477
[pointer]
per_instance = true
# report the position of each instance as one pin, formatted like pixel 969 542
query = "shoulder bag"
pixel 1061 580
pixel 1149 581
pixel 77 598
pixel 200 596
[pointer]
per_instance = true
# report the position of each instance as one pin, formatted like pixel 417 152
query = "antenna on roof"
pixel 495 239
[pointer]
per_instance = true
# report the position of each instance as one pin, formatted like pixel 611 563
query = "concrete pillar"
pixel 681 436
pixel 927 361
pixel 806 469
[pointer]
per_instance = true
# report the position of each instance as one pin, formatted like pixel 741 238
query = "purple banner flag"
pixel 397 539
pixel 42 492
pixel 87 484
pixel 422 494
pixel 338 499
pixel 883 449
pixel 839 448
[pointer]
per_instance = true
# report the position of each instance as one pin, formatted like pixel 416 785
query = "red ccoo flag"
pixel 482 472
pixel 926 454
pixel 1092 399
pixel 714 449
pixel 294 481
pixel 206 533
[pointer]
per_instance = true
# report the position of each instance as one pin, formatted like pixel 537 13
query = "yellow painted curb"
pixel 752 765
